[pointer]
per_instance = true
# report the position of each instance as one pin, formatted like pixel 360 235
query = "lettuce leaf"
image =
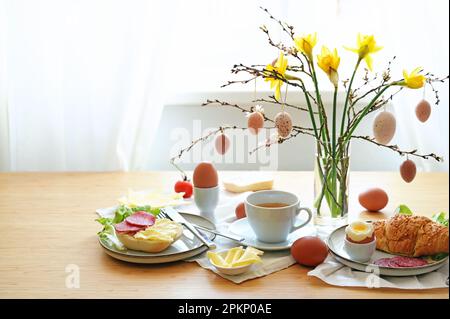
pixel 108 235
pixel 403 210
pixel 440 218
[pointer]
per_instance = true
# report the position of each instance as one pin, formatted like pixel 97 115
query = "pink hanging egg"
pixel 423 111
pixel 408 171
pixel 255 122
pixel 222 143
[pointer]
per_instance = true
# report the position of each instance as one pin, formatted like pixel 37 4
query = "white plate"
pixel 185 247
pixel 242 228
pixel 336 246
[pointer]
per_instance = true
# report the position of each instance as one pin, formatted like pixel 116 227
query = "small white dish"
pixel 242 228
pixel 360 252
pixel 230 271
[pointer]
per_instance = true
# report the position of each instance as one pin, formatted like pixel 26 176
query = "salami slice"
pixel 400 262
pixel 409 262
pixel 141 219
pixel 386 262
pixel 125 227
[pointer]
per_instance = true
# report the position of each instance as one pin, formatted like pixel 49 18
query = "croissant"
pixel 412 236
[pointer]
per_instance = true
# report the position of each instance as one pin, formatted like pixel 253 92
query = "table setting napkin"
pixel 334 273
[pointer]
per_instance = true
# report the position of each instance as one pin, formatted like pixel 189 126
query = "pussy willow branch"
pixel 296 128
pixel 395 148
pixel 273 100
pixel 279 140
pixel 287 50
pixel 264 73
pixel 433 79
pixel 284 26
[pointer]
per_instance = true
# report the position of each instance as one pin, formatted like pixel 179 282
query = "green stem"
pixel 322 113
pixel 348 95
pixel 334 121
pixel 364 113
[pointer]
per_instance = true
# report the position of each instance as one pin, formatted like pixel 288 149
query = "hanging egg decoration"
pixel 283 123
pixel 255 120
pixel 423 111
pixel 408 170
pixel 222 143
pixel 384 127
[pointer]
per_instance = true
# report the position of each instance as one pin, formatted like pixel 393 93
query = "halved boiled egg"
pixel 360 232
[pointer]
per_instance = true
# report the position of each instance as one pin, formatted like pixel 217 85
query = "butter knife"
pixel 176 217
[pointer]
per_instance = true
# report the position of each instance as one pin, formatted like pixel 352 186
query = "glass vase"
pixel 331 177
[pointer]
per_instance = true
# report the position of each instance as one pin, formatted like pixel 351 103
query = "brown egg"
pixel 408 171
pixel 205 175
pixel 423 111
pixel 283 123
pixel 240 211
pixel 255 122
pixel 384 127
pixel 309 251
pixel 373 199
pixel 222 144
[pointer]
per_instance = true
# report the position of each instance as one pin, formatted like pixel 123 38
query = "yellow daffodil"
pixel 280 69
pixel 305 44
pixel 366 45
pixel 329 62
pixel 414 80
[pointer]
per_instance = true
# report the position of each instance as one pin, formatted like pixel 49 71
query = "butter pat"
pixel 248 183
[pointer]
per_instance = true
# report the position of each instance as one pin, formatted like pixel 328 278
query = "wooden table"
pixel 47 223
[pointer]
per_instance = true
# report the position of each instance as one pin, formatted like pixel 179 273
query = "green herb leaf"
pixel 440 218
pixel 403 210
pixel 439 256
pixel 108 235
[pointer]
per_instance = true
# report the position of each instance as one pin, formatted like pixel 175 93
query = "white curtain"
pixel 85 83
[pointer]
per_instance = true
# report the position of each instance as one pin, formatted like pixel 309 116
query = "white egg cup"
pixel 206 199
pixel 360 252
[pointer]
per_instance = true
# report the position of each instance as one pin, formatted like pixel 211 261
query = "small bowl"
pixel 231 271
pixel 360 252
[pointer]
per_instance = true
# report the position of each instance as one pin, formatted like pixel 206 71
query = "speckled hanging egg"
pixel 423 111
pixel 222 143
pixel 283 123
pixel 384 127
pixel 408 170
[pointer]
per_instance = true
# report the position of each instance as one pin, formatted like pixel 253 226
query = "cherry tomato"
pixel 184 186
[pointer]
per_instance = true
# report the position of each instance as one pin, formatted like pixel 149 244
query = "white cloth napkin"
pixel 334 273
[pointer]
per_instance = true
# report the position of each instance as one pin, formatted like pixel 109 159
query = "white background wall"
pixel 83 83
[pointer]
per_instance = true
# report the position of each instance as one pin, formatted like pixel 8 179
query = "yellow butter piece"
pixel 233 254
pixel 255 251
pixel 216 259
pixel 245 262
pixel 163 229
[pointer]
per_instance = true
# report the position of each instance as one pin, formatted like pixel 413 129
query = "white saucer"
pixel 242 228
